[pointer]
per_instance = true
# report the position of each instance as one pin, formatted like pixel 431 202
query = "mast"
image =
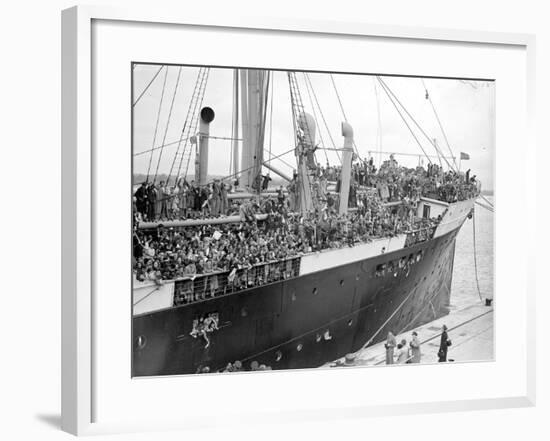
pixel 304 134
pixel 345 176
pixel 245 152
pixel 235 142
pixel 306 161
pixel 254 85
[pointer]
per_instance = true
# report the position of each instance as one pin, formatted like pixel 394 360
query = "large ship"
pixel 308 309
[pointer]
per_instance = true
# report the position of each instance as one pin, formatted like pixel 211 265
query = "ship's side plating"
pixel 308 320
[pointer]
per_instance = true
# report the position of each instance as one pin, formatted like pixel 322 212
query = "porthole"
pixel 278 356
pixel 318 338
pixel 341 282
pixel 314 291
pixel 299 347
pixel 350 322
pixel 141 342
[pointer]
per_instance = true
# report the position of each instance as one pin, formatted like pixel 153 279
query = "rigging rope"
pixel 487 200
pixel 157 123
pixel 322 115
pixel 343 112
pixel 388 319
pixel 298 109
pixel 475 253
pixel 404 120
pixel 251 167
pixel 430 140
pixel 263 125
pixel 428 303
pixel 233 116
pixel 190 110
pixel 439 122
pixel 204 82
pixel 168 144
pixel 148 85
pixel 288 164
pixel 315 117
pixel 487 207
pixel 379 128
pixel 271 116
pixel 168 122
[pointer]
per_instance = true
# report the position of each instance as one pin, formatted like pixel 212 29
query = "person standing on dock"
pixel 415 348
pixel 444 345
pixel 390 345
pixel 402 352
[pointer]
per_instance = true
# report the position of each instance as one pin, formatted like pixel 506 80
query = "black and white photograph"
pixel 292 219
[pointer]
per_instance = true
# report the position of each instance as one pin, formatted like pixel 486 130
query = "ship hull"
pixel 305 321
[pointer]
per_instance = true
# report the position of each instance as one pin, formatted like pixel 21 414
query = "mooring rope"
pixel 475 252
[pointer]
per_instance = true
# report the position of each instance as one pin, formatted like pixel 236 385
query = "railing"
pixel 192 289
pixel 419 235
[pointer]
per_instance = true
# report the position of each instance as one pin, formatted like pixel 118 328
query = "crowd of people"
pixel 181 200
pixel 401 353
pixel 392 182
pixel 237 366
pixel 262 249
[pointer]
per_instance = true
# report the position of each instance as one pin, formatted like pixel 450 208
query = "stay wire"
pixel 475 253
pixel 439 122
pixel 157 123
pixel 438 152
pixel 342 109
pixel 168 121
pixel 322 115
pixel 405 121
pixel 315 116
pixel 148 85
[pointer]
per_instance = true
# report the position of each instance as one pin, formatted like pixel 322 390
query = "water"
pixel 463 289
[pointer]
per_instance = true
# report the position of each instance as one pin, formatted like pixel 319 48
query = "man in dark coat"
pixel 152 195
pixel 444 345
pixel 141 199
pixel 265 182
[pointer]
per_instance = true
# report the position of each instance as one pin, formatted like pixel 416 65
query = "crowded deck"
pixel 207 259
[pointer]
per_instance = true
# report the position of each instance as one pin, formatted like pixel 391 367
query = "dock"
pixel 471 330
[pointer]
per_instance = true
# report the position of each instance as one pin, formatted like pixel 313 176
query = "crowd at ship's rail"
pixel 187 200
pixel 208 260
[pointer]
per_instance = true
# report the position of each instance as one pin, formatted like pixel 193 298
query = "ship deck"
pixel 471 330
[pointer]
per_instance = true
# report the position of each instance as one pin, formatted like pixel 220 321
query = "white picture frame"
pixel 79 379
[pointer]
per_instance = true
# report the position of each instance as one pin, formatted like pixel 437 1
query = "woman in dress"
pixel 175 203
pixel 415 348
pixel 183 197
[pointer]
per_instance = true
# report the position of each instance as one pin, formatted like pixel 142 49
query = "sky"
pixel 464 107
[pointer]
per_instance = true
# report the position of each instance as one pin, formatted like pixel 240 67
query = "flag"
pixel 464 156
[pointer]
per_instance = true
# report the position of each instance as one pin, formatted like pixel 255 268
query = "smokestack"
pixel 206 117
